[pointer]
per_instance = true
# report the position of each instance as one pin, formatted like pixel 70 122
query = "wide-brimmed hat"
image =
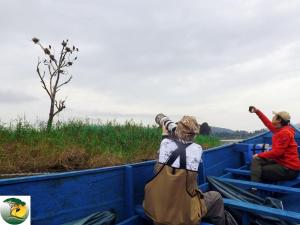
pixel 187 128
pixel 283 115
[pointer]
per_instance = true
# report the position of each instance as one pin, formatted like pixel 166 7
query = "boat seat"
pixel 264 210
pixel 261 186
pixel 238 171
pixel 248 207
pixel 139 210
pixel 288 183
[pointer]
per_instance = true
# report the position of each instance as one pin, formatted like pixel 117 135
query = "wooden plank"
pixel 266 211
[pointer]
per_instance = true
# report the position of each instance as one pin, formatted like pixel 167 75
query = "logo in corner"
pixel 15 210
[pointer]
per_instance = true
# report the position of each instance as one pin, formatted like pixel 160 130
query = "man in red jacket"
pixel 282 161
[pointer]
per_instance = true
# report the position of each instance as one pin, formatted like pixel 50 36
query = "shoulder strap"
pixel 181 152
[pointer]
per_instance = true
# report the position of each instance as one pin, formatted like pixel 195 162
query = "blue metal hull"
pixel 62 197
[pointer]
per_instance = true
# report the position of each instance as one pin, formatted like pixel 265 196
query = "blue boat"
pixel 63 197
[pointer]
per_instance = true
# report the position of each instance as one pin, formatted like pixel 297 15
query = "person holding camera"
pixel 282 161
pixel 172 196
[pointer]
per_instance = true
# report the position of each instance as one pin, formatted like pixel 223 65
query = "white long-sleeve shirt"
pixel 193 154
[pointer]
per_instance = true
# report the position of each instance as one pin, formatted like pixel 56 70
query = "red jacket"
pixel 284 147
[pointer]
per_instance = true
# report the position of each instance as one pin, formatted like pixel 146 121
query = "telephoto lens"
pixel 159 117
pixel 163 120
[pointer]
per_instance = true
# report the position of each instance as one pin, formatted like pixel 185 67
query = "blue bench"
pixel 238 171
pixel 261 186
pixel 246 173
pixel 245 207
pixel 263 210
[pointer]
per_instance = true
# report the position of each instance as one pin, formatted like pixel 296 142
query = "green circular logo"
pixel 14 211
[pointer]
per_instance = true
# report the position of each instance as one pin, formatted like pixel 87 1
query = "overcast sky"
pixel 210 59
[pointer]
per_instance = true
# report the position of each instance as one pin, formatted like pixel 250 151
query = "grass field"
pixel 79 145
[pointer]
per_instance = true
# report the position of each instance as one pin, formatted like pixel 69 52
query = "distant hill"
pixel 215 130
pixel 225 133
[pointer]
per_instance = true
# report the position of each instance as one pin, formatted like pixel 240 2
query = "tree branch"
pixel 54 69
pixel 60 106
pixel 67 81
pixel 42 79
pixel 61 60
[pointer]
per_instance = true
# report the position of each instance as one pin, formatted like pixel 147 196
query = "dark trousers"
pixel 215 207
pixel 268 170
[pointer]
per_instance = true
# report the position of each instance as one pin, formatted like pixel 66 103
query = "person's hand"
pixel 164 130
pixel 252 109
pixel 255 156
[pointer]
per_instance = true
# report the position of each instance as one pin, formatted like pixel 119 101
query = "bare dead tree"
pixel 53 73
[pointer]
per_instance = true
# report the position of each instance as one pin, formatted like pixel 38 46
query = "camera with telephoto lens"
pixel 163 120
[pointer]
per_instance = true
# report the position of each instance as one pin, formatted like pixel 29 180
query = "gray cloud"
pixel 12 97
pixel 137 56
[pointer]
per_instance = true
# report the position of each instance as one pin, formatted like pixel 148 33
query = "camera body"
pixel 252 109
pixel 162 120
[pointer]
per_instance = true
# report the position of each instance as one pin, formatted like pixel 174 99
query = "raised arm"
pixel 266 121
pixel 263 118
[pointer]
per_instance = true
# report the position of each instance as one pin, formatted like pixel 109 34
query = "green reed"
pixel 129 141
